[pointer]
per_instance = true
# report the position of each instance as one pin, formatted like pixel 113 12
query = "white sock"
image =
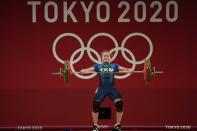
pixel 96 125
pixel 117 124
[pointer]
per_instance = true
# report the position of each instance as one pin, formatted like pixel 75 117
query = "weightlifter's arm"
pixel 121 68
pixel 87 70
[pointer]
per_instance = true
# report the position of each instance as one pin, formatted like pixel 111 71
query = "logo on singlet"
pixel 106 70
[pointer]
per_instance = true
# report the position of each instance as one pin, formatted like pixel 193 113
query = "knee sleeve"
pixel 119 106
pixel 96 106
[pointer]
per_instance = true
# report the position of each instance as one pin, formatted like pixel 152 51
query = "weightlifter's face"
pixel 106 57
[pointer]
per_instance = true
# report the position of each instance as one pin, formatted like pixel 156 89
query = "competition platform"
pixel 101 128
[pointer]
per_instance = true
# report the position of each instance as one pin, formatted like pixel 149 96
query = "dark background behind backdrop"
pixel 30 95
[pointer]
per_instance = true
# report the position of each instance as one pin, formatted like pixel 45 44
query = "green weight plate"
pixel 65 72
pixel 149 76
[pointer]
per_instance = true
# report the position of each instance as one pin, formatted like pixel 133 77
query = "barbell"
pixel 148 71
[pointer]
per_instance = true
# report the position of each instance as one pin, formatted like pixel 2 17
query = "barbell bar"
pixel 148 71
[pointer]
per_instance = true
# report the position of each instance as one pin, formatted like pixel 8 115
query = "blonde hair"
pixel 106 51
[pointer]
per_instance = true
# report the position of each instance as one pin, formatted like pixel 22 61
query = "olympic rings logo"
pixel 98 60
